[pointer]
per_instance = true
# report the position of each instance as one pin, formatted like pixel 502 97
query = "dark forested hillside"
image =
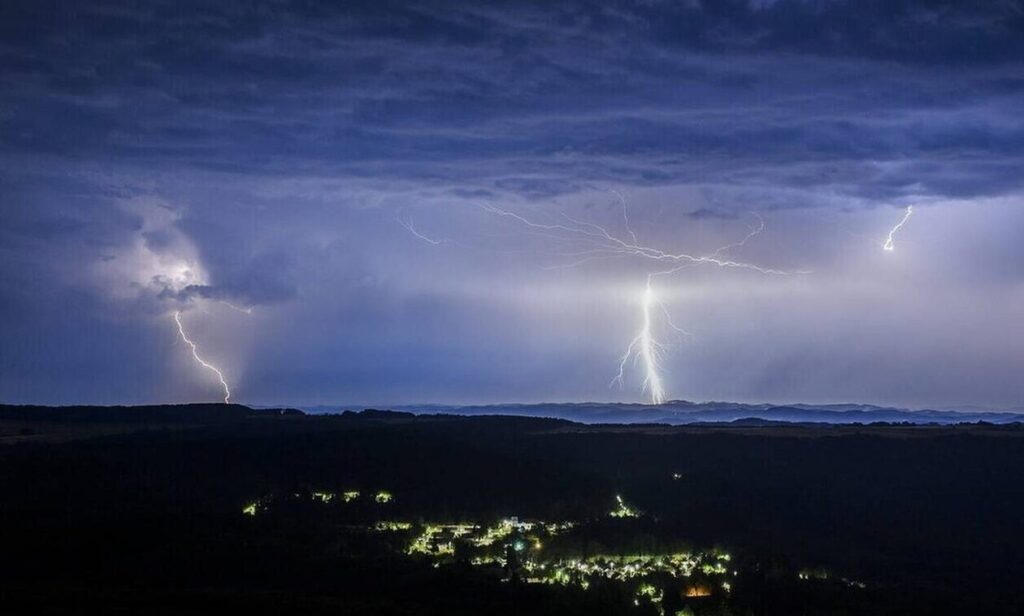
pixel 208 508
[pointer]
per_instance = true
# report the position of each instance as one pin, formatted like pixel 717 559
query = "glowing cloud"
pixel 159 268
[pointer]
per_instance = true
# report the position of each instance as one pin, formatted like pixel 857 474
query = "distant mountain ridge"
pixel 155 413
pixel 682 412
pixel 678 412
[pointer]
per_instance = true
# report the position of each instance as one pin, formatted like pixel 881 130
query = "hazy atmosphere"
pixel 390 203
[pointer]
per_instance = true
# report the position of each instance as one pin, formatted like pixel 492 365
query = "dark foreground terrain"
pixel 216 509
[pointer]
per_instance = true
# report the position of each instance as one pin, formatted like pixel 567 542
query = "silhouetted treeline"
pixel 928 518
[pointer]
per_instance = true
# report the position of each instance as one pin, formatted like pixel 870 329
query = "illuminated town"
pixel 533 551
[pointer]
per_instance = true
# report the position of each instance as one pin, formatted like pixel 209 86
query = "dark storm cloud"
pixel 703 213
pixel 488 95
pixel 271 143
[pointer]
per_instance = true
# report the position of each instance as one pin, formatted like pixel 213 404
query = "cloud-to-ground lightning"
pixel 600 243
pixel 200 360
pixel 645 348
pixel 888 245
pixel 649 348
pixel 596 242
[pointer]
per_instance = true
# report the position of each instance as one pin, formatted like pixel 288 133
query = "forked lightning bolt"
pixel 597 242
pixel 200 360
pixel 649 349
pixel 592 242
pixel 645 348
pixel 888 245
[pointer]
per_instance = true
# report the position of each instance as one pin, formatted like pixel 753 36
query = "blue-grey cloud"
pixel 169 155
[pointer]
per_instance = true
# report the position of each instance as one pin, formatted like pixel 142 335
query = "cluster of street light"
pixel 518 547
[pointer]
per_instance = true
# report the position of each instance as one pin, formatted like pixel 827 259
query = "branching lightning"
pixel 888 245
pixel 200 360
pixel 645 348
pixel 649 349
pixel 600 243
pixel 605 244
pixel 407 223
pixel 592 242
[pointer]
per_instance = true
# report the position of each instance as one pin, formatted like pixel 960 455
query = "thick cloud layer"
pixel 326 166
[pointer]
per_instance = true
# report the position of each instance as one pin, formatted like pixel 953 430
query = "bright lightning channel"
pixel 601 243
pixel 645 348
pixel 888 245
pixel 652 381
pixel 200 360
pixel 596 242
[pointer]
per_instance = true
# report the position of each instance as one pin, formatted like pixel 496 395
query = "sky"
pixel 342 202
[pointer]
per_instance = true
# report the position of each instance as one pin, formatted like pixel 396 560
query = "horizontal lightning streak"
pixel 246 309
pixel 614 246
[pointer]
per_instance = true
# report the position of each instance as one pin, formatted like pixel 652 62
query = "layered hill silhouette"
pixel 671 413
pixel 681 412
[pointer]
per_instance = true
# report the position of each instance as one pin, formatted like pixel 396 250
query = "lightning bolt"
pixel 605 244
pixel 593 242
pixel 200 360
pixel 598 242
pixel 888 245
pixel 412 229
pixel 245 309
pixel 645 348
